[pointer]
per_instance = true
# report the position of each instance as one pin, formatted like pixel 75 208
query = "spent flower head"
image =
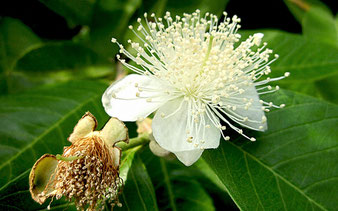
pixel 198 77
pixel 88 170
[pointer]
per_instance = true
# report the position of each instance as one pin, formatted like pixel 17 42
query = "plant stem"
pixel 134 142
pixel 301 4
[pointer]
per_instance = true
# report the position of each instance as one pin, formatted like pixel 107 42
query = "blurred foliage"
pixel 46 86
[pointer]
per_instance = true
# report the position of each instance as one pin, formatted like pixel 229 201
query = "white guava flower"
pixel 198 79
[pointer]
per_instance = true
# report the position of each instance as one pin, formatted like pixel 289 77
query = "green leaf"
pixel 336 22
pixel 177 7
pixel 126 162
pixel 39 122
pixel 176 186
pixel 318 24
pixel 110 19
pixel 58 56
pixel 75 12
pixel 188 190
pixel 289 167
pixel 62 61
pixel 328 88
pixel 304 59
pixel 103 19
pixel 324 88
pixel 17 197
pixel 299 7
pixel 15 40
pixel 209 173
pixel 138 192
pixel 309 63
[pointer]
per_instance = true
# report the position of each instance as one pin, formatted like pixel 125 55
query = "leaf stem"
pixel 301 4
pixel 134 142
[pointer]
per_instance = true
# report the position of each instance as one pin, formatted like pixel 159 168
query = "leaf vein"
pixel 302 156
pixel 251 181
pixel 46 132
pixel 280 192
pixel 281 177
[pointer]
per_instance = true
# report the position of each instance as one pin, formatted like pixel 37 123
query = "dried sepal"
pixel 114 131
pixel 40 177
pixel 116 152
pixel 84 127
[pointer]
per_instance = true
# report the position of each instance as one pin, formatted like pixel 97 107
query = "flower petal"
pixel 114 131
pixel 41 176
pixel 85 126
pixel 189 157
pixel 120 99
pixel 254 112
pixel 170 126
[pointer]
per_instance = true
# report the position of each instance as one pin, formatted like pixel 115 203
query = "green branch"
pixel 134 142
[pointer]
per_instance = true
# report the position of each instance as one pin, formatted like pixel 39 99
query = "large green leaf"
pixel 336 22
pixel 27 62
pixel 176 186
pixel 310 63
pixel 103 19
pixel 299 7
pixel 292 166
pixel 304 59
pixel 75 12
pixel 126 162
pixel 39 122
pixel 110 19
pixel 15 40
pixel 328 88
pixel 319 24
pixel 138 192
pixel 62 61
pixel 58 56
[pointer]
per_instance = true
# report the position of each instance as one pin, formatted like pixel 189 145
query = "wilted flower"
pixel 190 71
pixel 87 171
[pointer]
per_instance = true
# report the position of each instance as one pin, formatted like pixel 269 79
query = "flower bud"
pixel 156 148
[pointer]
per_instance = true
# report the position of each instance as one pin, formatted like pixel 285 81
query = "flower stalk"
pixel 141 140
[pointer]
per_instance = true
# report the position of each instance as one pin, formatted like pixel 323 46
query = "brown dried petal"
pixel 85 126
pixel 41 178
pixel 114 131
pixel 116 153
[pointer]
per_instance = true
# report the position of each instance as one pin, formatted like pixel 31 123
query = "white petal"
pixel 253 113
pixel 189 157
pixel 170 131
pixel 120 99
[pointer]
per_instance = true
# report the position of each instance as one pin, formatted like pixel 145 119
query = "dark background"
pixel 254 14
